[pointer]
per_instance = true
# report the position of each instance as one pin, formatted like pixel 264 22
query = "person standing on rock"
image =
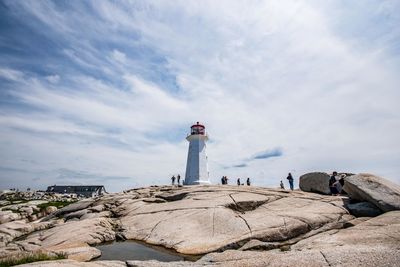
pixel 338 184
pixel 238 181
pixel 332 184
pixel 224 180
pixel 290 179
pixel 248 181
pixel 173 179
pixel 178 179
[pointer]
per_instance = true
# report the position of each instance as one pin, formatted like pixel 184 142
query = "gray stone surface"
pixel 8 216
pixel 224 217
pixel 363 209
pixel 74 263
pixel 374 242
pixel 287 228
pixel 50 209
pixel 315 182
pixel 80 205
pixel 367 187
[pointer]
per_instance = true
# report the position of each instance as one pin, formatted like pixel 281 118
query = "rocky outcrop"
pixel 376 190
pixel 72 238
pixel 317 182
pixel 236 226
pixel 224 217
pixel 15 229
pixel 371 243
pixel 25 210
pixel 8 216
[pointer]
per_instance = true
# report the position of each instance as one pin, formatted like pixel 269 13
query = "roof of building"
pixel 73 188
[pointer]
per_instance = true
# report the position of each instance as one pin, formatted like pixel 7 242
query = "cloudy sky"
pixel 104 92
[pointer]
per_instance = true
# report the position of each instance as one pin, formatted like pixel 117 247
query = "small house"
pixel 79 190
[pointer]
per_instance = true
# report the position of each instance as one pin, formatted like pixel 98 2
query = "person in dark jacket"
pixel 248 181
pixel 238 181
pixel 332 184
pixel 290 179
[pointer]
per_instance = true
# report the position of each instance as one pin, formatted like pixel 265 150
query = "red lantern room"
pixel 197 129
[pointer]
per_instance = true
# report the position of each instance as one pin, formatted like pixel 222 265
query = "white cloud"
pixel 53 78
pixel 10 74
pixel 118 56
pixel 260 75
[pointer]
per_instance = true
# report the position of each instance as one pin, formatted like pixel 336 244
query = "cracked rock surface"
pixel 233 225
pixel 212 218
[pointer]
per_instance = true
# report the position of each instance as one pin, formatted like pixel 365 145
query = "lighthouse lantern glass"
pixel 197 129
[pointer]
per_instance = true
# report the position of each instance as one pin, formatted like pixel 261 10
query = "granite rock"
pixel 363 209
pixel 367 187
pixel 317 182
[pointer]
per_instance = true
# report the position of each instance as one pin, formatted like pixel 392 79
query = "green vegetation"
pixel 57 204
pixel 30 257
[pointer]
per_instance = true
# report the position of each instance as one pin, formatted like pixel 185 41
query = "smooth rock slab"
pixel 73 263
pixel 71 235
pixel 85 253
pixel 367 187
pixel 211 218
pixel 383 230
pixel 374 242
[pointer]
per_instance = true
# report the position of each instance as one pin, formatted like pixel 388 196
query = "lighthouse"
pixel 196 166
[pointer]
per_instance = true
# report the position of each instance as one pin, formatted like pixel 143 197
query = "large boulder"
pixel 367 187
pixel 51 209
pixel 317 182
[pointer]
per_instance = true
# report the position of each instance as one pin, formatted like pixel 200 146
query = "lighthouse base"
pixel 198 182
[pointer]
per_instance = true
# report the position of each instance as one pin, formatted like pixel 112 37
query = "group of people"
pixel 224 180
pixel 336 183
pixel 247 181
pixel 177 178
pixel 291 182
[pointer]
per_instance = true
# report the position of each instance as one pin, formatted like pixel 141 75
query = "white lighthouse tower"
pixel 196 166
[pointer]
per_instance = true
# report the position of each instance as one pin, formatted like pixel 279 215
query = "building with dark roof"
pixel 79 190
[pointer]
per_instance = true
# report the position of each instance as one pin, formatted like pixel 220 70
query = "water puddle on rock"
pixel 133 250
